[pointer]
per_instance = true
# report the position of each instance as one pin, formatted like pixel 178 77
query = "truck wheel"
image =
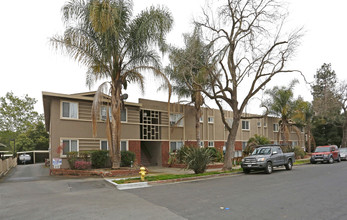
pixel 246 171
pixel 268 168
pixel 339 159
pixel 289 165
pixel 331 160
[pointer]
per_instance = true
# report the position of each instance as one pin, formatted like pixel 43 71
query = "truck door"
pixel 281 158
pixel 276 156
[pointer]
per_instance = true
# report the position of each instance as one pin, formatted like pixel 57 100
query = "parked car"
pixel 266 157
pixel 24 158
pixel 328 153
pixel 343 153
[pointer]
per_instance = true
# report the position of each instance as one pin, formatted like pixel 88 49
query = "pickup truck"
pixel 266 157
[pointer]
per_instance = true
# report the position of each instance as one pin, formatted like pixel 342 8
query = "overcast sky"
pixel 28 65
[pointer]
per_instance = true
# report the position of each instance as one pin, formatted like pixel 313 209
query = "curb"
pixel 126 186
pixel 137 185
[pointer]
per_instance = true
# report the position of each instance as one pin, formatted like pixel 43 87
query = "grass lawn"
pixel 301 162
pixel 172 176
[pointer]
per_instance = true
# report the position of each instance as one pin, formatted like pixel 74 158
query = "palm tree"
pixel 303 117
pixel 188 72
pixel 102 35
pixel 281 104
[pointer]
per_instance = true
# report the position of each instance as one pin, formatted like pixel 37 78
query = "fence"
pixel 6 165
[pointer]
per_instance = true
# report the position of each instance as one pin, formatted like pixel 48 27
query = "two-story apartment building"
pixel 147 128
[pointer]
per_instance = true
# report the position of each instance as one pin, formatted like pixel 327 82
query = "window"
pixel 275 127
pixel 69 146
pixel 237 153
pixel 245 125
pixel 123 146
pixel 210 120
pixel 103 145
pixel 103 114
pixel 265 124
pixel 176 119
pixel 174 146
pixel 210 144
pixel 244 145
pixel 294 143
pixel 201 119
pixel 69 109
pixel 201 144
pixel 302 129
pixel 258 124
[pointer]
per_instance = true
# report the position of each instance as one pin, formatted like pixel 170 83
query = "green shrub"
pixel 181 153
pixel 299 152
pixel 197 159
pixel 127 158
pixel 99 158
pixel 217 156
pixel 84 155
pixel 172 159
pixel 72 158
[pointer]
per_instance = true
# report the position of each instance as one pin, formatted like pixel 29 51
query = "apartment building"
pixel 147 128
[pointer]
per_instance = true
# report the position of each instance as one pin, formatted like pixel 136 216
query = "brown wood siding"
pixel 85 110
pixel 89 144
pixel 164 118
pixel 133 115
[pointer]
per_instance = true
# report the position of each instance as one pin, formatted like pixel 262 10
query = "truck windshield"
pixel 322 149
pixel 261 151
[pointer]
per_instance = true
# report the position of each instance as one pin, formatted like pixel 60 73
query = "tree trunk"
pixel 308 139
pixel 116 126
pixel 344 132
pixel 230 145
pixel 197 124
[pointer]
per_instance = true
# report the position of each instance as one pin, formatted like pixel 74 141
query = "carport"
pixel 37 155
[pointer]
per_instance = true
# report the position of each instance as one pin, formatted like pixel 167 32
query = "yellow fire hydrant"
pixel 143 173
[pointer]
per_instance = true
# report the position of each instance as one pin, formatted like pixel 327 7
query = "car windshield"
pixel 343 150
pixel 322 149
pixel 262 151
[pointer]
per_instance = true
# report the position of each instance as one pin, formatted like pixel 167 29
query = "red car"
pixel 327 153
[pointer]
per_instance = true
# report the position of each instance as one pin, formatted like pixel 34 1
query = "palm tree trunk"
pixel 197 124
pixel 116 126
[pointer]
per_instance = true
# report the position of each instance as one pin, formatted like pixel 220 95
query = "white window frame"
pixel 201 120
pixel 68 139
pixel 175 117
pixel 126 115
pixel 265 124
pixel 107 148
pixel 176 145
pixel 295 143
pixel 62 110
pixel 110 113
pixel 210 119
pixel 276 125
pixel 259 124
pixel 244 145
pixel 201 144
pixel 245 129
pixel 127 145
pixel 211 144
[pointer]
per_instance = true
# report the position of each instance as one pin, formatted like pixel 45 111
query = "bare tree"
pixel 250 48
pixel 343 100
